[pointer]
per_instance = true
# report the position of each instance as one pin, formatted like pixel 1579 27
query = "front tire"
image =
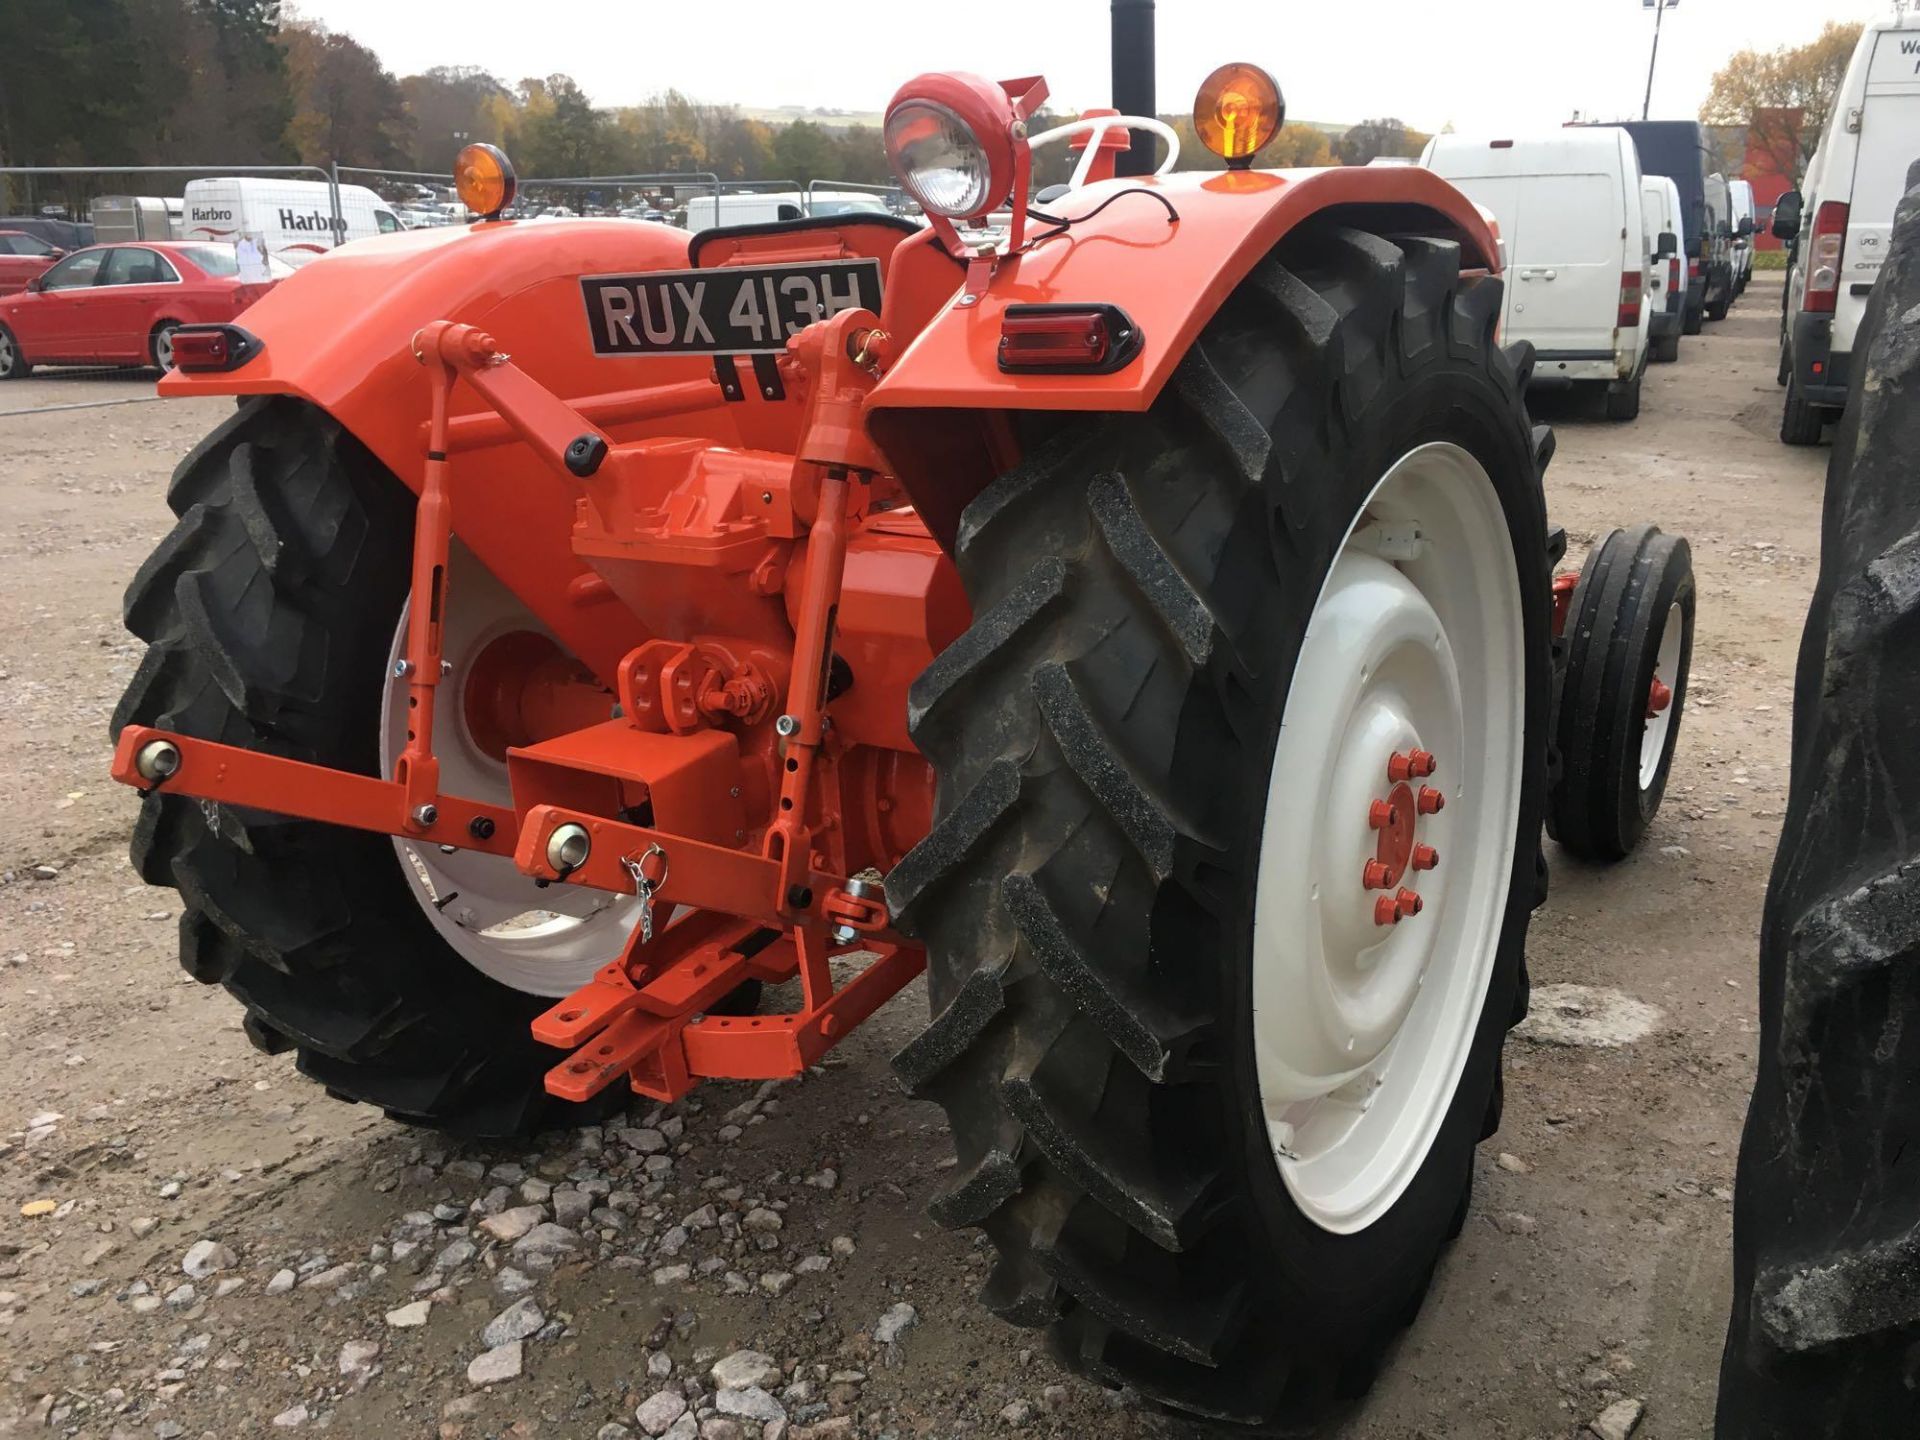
pixel 1093 892
pixel 1629 644
pixel 269 613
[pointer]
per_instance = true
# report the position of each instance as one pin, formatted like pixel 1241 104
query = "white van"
pixel 1578 252
pixel 292 218
pixel 1740 193
pixel 754 207
pixel 1841 217
pixel 1661 220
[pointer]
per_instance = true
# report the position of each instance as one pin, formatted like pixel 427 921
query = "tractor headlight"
pixel 939 159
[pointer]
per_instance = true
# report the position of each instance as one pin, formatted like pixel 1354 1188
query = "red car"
pixel 119 305
pixel 23 256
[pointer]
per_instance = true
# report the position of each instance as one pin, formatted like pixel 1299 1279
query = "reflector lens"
pixel 1053 339
pixel 1627 317
pixel 939 159
pixel 1237 111
pixel 201 348
pixel 1073 338
pixel 483 177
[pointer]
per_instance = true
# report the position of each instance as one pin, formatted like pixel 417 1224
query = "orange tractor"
pixel 1133 605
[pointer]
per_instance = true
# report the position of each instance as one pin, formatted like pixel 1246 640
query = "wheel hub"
pixel 1400 742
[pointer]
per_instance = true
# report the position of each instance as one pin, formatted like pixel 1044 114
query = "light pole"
pixel 1659 8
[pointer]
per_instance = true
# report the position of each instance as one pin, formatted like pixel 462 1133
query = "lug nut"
pixel 425 815
pixel 568 847
pixel 402 669
pixel 1386 911
pixel 1376 876
pixel 1425 857
pixel 1430 801
pixel 157 760
pixel 1408 901
pixel 1410 765
pixel 1379 815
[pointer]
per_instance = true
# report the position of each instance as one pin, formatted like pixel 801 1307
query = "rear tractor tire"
pixel 1211 1168
pixel 270 613
pixel 1629 642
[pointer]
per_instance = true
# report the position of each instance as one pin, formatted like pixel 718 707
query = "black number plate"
pixel 739 310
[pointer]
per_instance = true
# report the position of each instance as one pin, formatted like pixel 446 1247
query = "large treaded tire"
pixel 1103 736
pixel 1826 1307
pixel 269 612
pixel 1598 809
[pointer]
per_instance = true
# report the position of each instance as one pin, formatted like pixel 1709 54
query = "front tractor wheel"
pixel 1241 776
pixel 404 977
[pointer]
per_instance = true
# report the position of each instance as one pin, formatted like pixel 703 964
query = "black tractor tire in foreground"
pixel 1103 737
pixel 269 612
pixel 1826 1223
pixel 1633 584
pixel 1801 422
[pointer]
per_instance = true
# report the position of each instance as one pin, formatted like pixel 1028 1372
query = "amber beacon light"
pixel 1237 112
pixel 483 176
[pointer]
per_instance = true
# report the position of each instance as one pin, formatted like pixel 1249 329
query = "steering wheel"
pixel 1098 126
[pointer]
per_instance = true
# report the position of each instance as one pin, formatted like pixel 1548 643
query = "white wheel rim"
pixel 1361 1029
pixel 1666 670
pixel 6 353
pixel 163 349
pixel 544 942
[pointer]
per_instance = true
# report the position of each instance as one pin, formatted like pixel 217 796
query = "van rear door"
pixel 1889 143
pixel 1566 270
pixel 1501 195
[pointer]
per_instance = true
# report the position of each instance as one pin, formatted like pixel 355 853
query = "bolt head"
pixel 1375 875
pixel 786 727
pixel 425 815
pixel 402 669
pixel 157 760
pixel 1385 911
pixel 1425 857
pixel 1430 801
pixel 1408 902
pixel 1380 815
pixel 568 846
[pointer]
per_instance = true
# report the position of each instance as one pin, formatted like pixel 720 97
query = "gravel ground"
pixel 195 1242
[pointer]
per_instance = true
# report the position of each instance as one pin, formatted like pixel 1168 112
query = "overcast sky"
pixel 1491 64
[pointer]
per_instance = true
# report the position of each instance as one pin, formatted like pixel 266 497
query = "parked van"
pixel 1667 270
pixel 136 217
pixel 292 218
pixel 1841 217
pixel 1569 207
pixel 1678 150
pixel 753 207
pixel 1741 192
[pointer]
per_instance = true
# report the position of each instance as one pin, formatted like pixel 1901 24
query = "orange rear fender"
pixel 1170 278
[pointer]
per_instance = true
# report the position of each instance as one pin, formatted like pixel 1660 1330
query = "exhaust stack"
pixel 1133 79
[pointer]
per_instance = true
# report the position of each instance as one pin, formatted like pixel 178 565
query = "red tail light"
pixel 1054 339
pixel 1628 316
pixel 1823 257
pixel 1673 273
pixel 1693 269
pixel 201 348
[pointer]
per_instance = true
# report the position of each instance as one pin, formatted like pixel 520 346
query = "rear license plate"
pixel 740 310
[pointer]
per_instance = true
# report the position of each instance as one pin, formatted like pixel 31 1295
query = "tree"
pixel 1783 96
pixel 559 131
pixel 803 151
pixel 1371 139
pixel 348 110
pixel 452 106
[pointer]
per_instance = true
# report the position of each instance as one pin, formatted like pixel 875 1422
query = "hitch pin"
pixel 644 885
